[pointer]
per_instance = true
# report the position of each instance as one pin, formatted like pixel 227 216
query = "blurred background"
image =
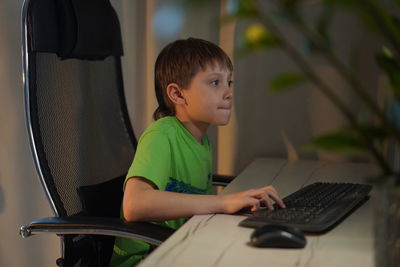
pixel 263 124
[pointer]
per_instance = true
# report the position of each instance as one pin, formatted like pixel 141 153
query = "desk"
pixel 217 240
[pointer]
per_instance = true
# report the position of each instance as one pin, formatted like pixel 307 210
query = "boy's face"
pixel 209 96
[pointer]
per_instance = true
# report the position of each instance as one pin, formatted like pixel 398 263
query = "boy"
pixel 170 177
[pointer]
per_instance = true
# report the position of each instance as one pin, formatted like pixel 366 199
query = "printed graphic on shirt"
pixel 180 187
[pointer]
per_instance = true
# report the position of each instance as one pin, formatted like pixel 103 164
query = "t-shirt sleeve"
pixel 152 159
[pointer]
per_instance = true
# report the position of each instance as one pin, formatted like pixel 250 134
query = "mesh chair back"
pixel 78 125
pixel 83 135
pixel 77 116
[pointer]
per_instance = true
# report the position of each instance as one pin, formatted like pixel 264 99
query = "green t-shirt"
pixel 170 157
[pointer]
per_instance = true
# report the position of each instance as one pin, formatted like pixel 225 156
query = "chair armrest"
pixel 148 232
pixel 222 180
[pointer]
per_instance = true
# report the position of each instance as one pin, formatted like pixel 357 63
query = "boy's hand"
pixel 252 198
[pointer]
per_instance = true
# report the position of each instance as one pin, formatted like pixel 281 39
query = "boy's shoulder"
pixel 166 125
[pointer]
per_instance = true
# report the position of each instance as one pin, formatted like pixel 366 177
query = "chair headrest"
pixel 84 29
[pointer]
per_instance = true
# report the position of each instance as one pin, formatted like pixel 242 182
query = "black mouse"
pixel 278 236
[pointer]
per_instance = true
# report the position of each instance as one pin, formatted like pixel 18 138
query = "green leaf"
pixel 286 81
pixel 387 52
pixel 338 142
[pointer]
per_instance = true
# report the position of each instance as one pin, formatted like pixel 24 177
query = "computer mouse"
pixel 278 236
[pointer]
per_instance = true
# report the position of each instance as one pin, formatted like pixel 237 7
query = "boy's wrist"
pixel 223 204
pixel 217 205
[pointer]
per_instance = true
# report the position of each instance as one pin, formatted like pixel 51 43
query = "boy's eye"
pixel 230 83
pixel 215 82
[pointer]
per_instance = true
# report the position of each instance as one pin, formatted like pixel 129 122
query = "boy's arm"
pixel 142 202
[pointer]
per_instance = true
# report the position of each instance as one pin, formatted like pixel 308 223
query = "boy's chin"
pixel 222 122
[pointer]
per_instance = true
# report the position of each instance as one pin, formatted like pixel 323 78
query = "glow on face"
pixel 209 96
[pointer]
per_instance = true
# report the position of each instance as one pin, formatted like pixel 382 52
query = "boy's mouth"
pixel 225 108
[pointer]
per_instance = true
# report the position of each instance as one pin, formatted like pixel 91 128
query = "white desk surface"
pixel 217 240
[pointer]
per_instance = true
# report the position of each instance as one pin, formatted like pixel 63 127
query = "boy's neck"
pixel 197 129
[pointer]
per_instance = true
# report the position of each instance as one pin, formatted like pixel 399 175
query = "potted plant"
pixel 378 136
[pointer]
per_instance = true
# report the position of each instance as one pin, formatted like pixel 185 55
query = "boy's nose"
pixel 228 94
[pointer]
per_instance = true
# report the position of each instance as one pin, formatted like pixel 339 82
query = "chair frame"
pixel 78 225
pixel 147 232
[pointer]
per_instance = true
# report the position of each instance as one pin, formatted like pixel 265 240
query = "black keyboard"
pixel 314 208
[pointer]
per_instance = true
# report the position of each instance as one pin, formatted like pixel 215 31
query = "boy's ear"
pixel 174 93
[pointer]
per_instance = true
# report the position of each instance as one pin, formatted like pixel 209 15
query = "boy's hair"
pixel 178 63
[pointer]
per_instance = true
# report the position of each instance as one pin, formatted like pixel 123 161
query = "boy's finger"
pixel 268 202
pixel 271 189
pixel 255 204
pixel 278 200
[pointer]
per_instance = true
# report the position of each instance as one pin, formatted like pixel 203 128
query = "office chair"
pixel 79 129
